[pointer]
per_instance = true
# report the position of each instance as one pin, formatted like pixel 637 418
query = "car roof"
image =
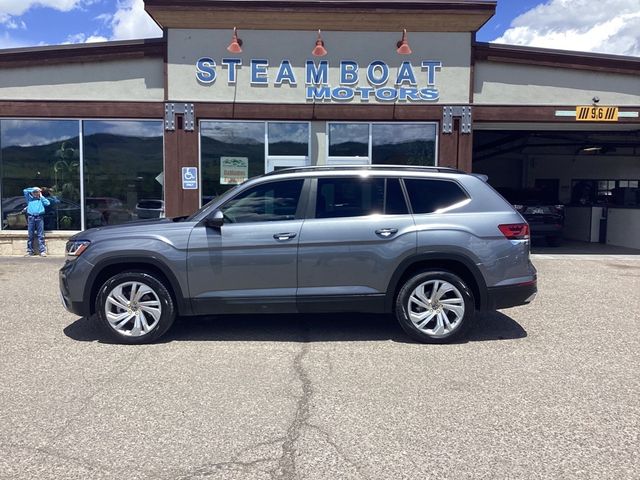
pixel 328 170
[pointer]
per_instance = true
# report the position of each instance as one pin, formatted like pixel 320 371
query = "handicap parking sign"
pixel 189 178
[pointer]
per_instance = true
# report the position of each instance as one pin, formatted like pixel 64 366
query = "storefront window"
pixel 288 139
pixel 232 152
pixel 123 171
pixel 382 143
pixel 42 153
pixel 348 140
pixel 404 144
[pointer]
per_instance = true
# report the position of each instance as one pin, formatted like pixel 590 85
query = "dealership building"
pixel 136 129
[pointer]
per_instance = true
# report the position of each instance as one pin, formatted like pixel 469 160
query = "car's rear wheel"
pixel 435 307
pixel 134 307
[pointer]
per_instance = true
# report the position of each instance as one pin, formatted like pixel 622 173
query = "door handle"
pixel 386 232
pixel 284 236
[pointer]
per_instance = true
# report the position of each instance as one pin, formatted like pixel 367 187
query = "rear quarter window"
pixel 429 196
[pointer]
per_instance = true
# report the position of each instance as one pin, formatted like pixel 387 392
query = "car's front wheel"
pixel 134 307
pixel 435 307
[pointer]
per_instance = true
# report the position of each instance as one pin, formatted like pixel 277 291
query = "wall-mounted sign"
pixel 233 170
pixel 189 178
pixel 590 113
pixel 377 80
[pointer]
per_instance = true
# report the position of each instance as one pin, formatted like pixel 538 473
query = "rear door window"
pixel 430 196
pixel 358 197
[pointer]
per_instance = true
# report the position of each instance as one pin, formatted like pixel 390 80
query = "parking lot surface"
pixel 549 390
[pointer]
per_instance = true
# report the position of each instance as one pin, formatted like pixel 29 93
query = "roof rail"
pixel 404 168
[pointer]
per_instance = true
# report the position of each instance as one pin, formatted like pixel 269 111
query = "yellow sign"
pixel 596 114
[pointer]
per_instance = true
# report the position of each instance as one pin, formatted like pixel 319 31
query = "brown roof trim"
pixel 598 62
pixel 353 15
pixel 80 53
pixel 488 5
pixel 80 109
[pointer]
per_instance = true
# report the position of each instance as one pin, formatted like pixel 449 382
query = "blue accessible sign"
pixel 189 178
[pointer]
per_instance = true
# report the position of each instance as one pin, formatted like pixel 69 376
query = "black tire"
pixel 460 322
pixel 157 294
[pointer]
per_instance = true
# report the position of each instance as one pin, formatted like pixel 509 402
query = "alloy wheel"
pixel 436 308
pixel 133 309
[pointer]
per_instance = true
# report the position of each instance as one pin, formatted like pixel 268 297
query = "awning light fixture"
pixel 403 45
pixel 236 43
pixel 319 50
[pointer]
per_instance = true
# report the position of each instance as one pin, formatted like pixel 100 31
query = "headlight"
pixel 76 247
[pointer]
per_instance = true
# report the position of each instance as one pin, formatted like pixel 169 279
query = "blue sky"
pixel 606 26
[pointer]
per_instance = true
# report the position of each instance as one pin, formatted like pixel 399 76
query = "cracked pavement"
pixel 544 391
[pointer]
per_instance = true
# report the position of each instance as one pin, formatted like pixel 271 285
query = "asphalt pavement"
pixel 546 391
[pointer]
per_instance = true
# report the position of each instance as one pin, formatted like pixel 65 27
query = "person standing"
pixel 36 203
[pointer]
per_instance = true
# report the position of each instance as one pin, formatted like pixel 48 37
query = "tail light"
pixel 515 231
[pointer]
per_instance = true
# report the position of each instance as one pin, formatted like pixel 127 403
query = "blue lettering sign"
pixel 259 74
pixel 378 73
pixel 318 93
pixel 232 65
pixel 365 92
pixel 285 74
pixel 430 94
pixel 386 94
pixel 405 74
pixel 431 66
pixel 408 94
pixel 348 72
pixel 206 70
pixel 317 75
pixel 342 93
pixel 317 80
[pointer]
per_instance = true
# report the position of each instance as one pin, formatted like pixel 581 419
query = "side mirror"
pixel 216 220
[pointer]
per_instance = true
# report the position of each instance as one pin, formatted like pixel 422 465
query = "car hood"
pixel 130 228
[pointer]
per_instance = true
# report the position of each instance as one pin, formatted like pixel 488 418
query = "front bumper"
pixel 76 308
pixel 511 295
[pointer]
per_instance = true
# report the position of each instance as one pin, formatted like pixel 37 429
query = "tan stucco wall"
pixel 509 84
pixel 187 46
pixel 128 80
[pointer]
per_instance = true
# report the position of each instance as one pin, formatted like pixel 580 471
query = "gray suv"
pixel 430 245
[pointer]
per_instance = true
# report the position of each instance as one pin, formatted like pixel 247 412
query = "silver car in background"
pixel 430 245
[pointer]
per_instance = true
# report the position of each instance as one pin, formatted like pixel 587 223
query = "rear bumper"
pixel 512 295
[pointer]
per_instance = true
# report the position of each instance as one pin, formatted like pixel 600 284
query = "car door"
pixel 358 234
pixel 249 264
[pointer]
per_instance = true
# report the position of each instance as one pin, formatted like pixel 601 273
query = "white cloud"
pixel 18 7
pixel 104 18
pixel 13 24
pixel 7 42
pixel 605 26
pixel 131 21
pixel 83 38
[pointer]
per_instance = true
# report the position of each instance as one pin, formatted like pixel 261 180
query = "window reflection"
pixel 403 144
pixel 123 166
pixel 230 153
pixel 275 201
pixel 348 140
pixel 42 153
pixel 288 139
